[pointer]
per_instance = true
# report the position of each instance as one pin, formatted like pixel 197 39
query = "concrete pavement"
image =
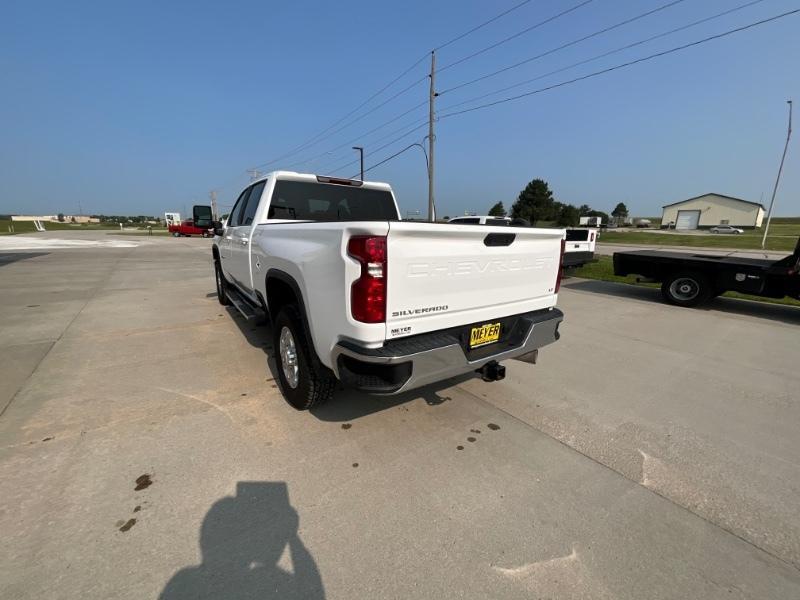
pixel 145 451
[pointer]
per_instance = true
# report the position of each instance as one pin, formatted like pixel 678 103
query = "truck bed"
pixel 683 257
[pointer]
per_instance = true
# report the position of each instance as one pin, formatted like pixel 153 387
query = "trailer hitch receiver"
pixel 492 371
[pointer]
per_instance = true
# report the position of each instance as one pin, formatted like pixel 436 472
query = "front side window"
pixel 310 201
pixel 249 212
pixel 233 220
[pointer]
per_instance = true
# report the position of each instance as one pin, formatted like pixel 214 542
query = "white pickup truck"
pixel 579 248
pixel 355 294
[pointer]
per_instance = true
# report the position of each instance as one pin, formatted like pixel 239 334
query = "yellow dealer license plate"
pixel 485 334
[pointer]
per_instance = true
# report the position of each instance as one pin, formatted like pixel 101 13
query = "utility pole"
pixel 778 178
pixel 361 153
pixel 213 195
pixel 431 137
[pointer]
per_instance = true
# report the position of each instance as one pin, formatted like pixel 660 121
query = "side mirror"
pixel 218 228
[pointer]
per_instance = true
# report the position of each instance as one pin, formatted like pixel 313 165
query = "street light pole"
pixel 361 154
pixel 778 178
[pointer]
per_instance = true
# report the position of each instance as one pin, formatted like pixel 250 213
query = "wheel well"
pixel 279 294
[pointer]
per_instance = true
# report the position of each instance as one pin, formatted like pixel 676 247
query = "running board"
pixel 247 310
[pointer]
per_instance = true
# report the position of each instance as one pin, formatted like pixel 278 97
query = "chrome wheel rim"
pixel 684 289
pixel 288 351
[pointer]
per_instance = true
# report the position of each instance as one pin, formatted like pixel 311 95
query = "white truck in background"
pixel 355 294
pixel 579 247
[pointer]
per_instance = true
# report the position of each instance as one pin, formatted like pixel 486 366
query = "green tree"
pixel 535 203
pixel 568 216
pixel 60 217
pixel 620 211
pixel 498 210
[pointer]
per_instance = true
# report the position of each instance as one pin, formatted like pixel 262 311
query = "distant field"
pixel 783 234
pixel 603 269
pixel 28 227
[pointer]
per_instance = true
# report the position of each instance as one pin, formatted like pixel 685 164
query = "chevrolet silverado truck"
pixel 355 294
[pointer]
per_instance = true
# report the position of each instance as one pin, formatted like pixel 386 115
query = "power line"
pixel 322 135
pixel 563 46
pixel 624 65
pixel 395 155
pixel 363 135
pixel 516 35
pixel 608 53
pixel 315 139
pixel 386 145
pixel 392 133
pixel 482 25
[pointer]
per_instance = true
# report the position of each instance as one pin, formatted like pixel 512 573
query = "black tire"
pixel 313 383
pixel 687 288
pixel 222 284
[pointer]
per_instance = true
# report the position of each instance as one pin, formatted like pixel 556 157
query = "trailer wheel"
pixel 304 381
pixel 686 289
pixel 222 285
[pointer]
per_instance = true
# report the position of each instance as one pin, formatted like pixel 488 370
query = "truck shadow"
pixel 762 310
pixel 6 258
pixel 347 404
pixel 242 540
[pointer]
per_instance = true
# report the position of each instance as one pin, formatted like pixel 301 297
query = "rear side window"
pixel 309 201
pixel 497 222
pixel 252 203
pixel 475 221
pixel 577 235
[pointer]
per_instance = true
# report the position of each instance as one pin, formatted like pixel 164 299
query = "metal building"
pixel 708 210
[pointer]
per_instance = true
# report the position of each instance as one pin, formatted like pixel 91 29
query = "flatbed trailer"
pixel 692 279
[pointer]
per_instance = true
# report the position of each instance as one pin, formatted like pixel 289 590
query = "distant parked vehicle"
pixel 579 247
pixel 188 228
pixel 726 229
pixel 591 222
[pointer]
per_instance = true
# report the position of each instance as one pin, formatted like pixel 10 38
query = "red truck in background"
pixel 188 228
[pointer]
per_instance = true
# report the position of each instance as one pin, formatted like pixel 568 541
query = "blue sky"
pixel 144 107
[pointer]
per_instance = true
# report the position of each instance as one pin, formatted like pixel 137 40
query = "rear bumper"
pixel 575 259
pixel 408 363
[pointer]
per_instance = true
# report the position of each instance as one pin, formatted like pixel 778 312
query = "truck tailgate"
pixel 442 275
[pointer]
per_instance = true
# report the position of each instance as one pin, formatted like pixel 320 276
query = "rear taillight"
pixel 560 267
pixel 368 292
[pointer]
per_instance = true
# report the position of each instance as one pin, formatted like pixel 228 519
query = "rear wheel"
pixel 686 289
pixel 304 381
pixel 219 278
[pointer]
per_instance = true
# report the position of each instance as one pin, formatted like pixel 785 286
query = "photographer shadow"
pixel 242 540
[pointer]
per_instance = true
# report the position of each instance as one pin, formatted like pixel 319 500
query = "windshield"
pixel 311 201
